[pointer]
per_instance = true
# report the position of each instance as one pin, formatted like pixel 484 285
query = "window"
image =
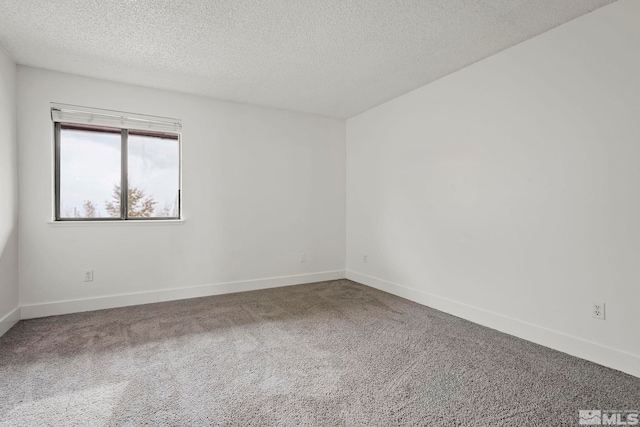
pixel 115 166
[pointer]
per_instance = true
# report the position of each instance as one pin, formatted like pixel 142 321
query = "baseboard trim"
pixel 8 321
pixel 31 311
pixel 588 350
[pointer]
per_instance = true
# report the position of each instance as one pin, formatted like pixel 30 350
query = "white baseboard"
pixel 31 311
pixel 9 320
pixel 594 352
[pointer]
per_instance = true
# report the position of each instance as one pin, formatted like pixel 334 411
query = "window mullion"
pixel 124 183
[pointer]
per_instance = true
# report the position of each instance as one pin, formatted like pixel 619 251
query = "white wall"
pixel 509 192
pixel 8 196
pixel 260 187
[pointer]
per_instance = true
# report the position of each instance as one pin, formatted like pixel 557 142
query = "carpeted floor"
pixel 329 354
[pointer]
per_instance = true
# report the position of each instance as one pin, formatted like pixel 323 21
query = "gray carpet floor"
pixel 328 354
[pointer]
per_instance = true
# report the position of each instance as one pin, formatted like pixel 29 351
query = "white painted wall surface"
pixel 8 196
pixel 509 192
pixel 260 187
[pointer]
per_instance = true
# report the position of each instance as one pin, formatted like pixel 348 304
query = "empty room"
pixel 319 213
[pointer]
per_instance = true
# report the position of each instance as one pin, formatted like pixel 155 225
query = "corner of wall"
pixel 8 321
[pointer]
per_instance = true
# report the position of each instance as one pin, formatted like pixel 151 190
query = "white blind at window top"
pixel 97 117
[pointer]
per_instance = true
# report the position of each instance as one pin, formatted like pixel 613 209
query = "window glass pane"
pixel 89 172
pixel 154 175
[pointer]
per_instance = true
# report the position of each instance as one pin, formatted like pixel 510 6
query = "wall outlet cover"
pixel 598 310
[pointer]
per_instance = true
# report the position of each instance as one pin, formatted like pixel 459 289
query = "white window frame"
pixel 63 114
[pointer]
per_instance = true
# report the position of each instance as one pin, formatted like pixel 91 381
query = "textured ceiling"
pixel 330 57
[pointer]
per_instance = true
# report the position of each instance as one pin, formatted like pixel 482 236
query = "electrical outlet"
pixel 597 310
pixel 303 257
pixel 364 259
pixel 88 276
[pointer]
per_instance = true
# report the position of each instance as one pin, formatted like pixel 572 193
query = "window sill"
pixel 117 223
